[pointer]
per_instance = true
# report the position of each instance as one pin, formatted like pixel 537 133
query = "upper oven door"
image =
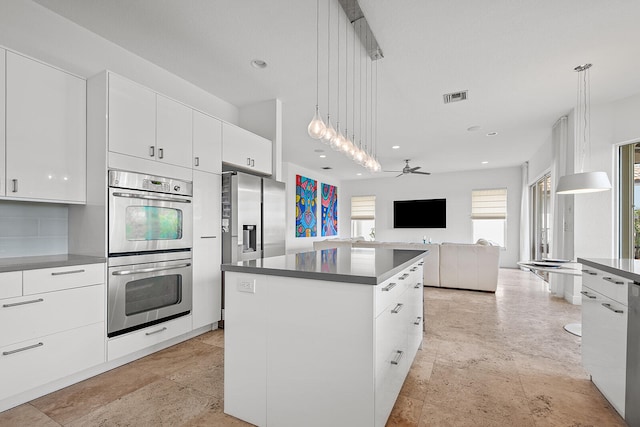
pixel 141 221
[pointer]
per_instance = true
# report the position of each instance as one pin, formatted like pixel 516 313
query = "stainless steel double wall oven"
pixel 150 241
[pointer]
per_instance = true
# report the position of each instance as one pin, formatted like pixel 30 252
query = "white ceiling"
pixel 515 57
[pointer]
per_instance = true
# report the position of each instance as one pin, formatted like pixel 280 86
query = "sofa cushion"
pixel 467 266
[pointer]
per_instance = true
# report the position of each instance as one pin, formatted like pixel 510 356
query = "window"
pixel 489 215
pixel 363 217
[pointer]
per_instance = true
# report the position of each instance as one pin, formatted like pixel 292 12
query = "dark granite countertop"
pixel 351 265
pixel 627 268
pixel 46 261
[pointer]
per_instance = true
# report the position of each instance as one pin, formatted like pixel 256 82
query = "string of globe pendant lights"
pixel 360 152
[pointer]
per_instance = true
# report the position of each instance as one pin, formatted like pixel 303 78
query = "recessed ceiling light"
pixel 485 162
pixel 395 147
pixel 258 63
pixel 492 133
pixel 323 156
pixel 359 173
pixel 473 128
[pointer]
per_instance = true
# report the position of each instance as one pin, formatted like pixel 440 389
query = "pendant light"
pixel 583 182
pixel 330 131
pixel 337 141
pixel 317 128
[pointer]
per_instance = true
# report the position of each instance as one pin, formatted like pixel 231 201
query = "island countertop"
pixel 369 266
pixel 624 267
pixel 46 261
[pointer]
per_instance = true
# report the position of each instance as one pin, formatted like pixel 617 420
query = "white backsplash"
pixel 32 229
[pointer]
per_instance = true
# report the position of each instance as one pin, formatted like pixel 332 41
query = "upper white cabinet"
pixel 45 132
pixel 148 125
pixel 246 150
pixel 207 143
pixel 2 118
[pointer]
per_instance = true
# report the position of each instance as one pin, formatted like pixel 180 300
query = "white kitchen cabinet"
pixel 45 132
pixel 207 143
pixel 246 150
pixel 207 276
pixel 3 54
pixel 11 284
pixel 604 337
pixel 132 118
pixel 174 132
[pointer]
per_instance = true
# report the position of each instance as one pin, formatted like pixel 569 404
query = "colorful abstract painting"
pixel 306 219
pixel 329 210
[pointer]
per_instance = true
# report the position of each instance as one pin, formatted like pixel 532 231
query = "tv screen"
pixel 430 213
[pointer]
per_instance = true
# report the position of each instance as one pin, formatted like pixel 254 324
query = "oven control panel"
pixel 156 184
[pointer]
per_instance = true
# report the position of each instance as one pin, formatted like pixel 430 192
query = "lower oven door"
pixel 147 293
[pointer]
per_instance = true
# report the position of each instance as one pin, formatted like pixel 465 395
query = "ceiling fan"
pixel 408 169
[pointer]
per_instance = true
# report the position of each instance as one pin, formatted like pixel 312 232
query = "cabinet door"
pixel 45 132
pixel 206 249
pixel 174 129
pixel 245 150
pixel 207 143
pixel 132 118
pixel 261 155
pixel 2 118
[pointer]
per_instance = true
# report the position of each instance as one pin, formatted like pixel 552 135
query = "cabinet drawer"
pixel 138 340
pixel 10 284
pixel 414 297
pixel 58 278
pixel 36 362
pixel 389 291
pixel 609 285
pixel 33 316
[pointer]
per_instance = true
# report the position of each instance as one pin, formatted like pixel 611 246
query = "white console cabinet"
pixel 245 150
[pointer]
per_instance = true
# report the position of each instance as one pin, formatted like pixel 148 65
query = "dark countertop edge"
pixel 329 277
pixel 47 261
pixel 624 273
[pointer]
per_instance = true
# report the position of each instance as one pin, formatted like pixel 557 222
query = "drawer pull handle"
pixel 612 280
pixel 197 161
pixel 418 321
pixel 615 310
pixel 15 185
pixel 208 237
pixel 389 287
pixel 398 358
pixel 414 269
pixel 156 332
pixel 421 263
pixel 60 273
pixel 418 285
pixel 15 304
pixel 18 350
pixel 592 273
pixel 397 309
pixel 586 294
pixel 404 276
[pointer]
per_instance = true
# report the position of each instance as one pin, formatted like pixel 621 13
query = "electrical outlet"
pixel 247 285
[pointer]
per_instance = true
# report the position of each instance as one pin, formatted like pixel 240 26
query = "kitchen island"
pixel 323 337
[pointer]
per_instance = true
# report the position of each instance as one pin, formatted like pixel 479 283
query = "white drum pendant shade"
pixel 586 182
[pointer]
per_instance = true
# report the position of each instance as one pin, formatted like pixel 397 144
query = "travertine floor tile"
pixel 172 359
pixel 25 415
pixel 215 338
pixel 405 413
pixel 214 416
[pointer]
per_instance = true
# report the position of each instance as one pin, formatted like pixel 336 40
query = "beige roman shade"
pixel 363 207
pixel 489 204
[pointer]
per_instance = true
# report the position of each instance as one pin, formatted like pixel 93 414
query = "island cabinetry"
pixel 245 150
pixel 317 352
pixel 51 330
pixel 604 333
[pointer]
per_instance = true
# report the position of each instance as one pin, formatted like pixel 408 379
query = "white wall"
pixel 455 187
pixel 34 30
pixel 298 244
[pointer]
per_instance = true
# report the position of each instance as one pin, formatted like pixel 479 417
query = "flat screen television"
pixel 429 213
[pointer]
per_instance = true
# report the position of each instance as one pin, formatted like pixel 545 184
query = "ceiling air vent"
pixel 455 96
pixel 327 168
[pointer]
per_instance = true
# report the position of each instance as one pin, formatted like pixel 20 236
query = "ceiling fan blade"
pixel 392 171
pixel 422 173
pixel 414 169
pixel 397 176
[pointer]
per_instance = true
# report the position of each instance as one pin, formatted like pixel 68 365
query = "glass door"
pixel 541 220
pixel 629 192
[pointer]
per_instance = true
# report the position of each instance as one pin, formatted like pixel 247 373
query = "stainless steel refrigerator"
pixel 253 217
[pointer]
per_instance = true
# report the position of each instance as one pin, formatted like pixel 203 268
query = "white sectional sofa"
pixel 448 265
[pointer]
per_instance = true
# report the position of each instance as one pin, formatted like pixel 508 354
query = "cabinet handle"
pixel 418 285
pixel 253 162
pixel 404 276
pixel 612 280
pixel 389 287
pixel 615 310
pixel 417 322
pixel 208 237
pixel 197 161
pixel 18 350
pixel 60 273
pixel 398 358
pixel 421 263
pixel 152 151
pixel 397 309
pixel 414 269
pixel 14 182
pixel 161 153
pixel 156 332
pixel 589 272
pixel 248 161
pixel 15 304
pixel 586 294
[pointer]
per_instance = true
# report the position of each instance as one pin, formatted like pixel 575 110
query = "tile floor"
pixel 488 360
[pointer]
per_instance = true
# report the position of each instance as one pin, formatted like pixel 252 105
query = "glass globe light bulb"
pixel 359 156
pixel 337 140
pixel 316 127
pixel 329 133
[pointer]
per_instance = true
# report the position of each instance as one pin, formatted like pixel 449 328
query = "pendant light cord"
pixel 317 53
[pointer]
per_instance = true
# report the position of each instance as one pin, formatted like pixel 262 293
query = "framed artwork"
pixel 306 218
pixel 329 210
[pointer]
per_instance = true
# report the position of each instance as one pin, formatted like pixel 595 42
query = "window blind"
pixel 489 204
pixel 363 207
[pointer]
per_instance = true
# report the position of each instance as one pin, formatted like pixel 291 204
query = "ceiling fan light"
pixel 585 182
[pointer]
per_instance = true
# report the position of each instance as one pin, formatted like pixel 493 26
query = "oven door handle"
pixel 158 198
pixel 149 270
